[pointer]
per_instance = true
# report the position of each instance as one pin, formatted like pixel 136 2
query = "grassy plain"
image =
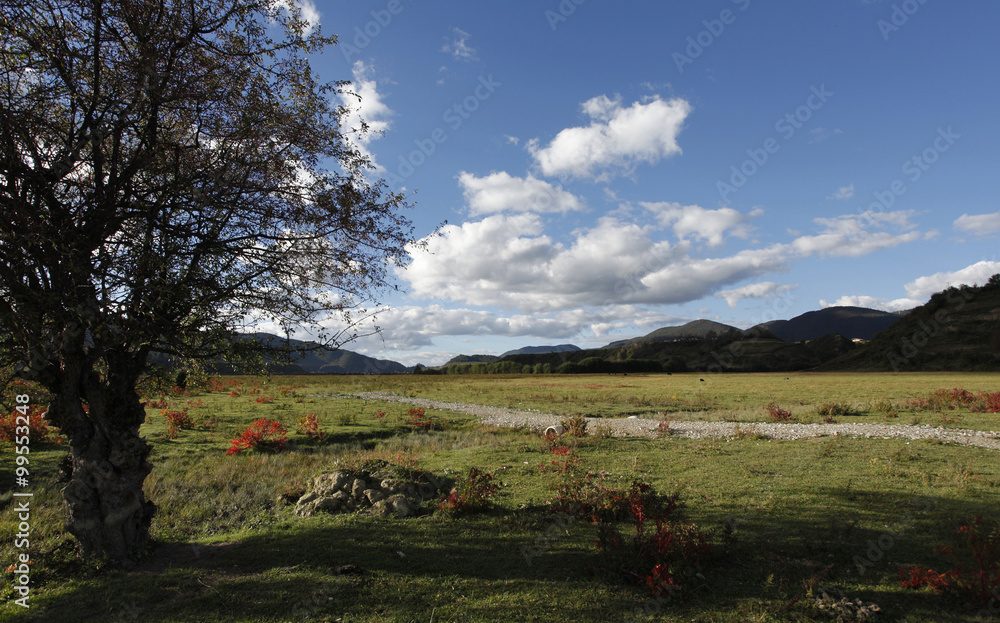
pixel 787 517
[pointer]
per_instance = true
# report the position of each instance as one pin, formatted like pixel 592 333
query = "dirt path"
pixel 620 427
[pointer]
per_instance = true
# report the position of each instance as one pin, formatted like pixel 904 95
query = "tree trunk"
pixel 108 512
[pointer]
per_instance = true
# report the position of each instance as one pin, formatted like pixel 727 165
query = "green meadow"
pixel 788 521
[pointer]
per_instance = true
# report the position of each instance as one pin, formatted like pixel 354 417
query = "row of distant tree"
pixel 590 365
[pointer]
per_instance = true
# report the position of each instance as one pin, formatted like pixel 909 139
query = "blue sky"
pixel 606 169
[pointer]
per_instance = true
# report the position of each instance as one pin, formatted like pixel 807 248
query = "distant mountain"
pixel 958 329
pixel 694 329
pixel 317 359
pixel 851 322
pixel 340 361
pixel 538 350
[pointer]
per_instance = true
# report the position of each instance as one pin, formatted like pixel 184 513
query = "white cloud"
pixel 920 290
pixel 843 193
pixel 501 192
pixel 617 139
pixel 872 302
pixel 852 235
pixel 309 13
pixel 975 275
pixel 458 46
pixel 760 290
pixel 507 260
pixel 408 328
pixel 980 224
pixel 368 116
pixel 701 224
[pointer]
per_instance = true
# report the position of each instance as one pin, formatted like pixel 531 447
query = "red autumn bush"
pixel 419 419
pixel 177 421
pixel 38 429
pixel 474 493
pixel 663 552
pixel 262 436
pixel 975 565
pixel 777 413
pixel 309 425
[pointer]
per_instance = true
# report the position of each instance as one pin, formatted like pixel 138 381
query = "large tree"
pixel 171 171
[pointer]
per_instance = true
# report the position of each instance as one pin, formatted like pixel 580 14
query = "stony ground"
pixel 533 420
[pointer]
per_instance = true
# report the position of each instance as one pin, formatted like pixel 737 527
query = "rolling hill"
pixel 693 329
pixel 958 329
pixel 537 350
pixel 851 322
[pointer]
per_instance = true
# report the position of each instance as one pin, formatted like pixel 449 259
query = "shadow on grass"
pixel 474 568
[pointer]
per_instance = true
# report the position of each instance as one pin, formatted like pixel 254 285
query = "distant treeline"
pixel 590 365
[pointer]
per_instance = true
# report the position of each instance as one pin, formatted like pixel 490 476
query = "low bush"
pixel 177 421
pixel 663 553
pixel 418 419
pixel 28 422
pixel 262 436
pixel 471 494
pixel 975 565
pixel 834 409
pixel 777 413
pixel 309 425
pixel 574 425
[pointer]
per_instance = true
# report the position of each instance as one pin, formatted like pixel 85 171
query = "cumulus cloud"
pixel 975 275
pixel 760 290
pixel 408 328
pixel 501 192
pixel 617 139
pixel 872 302
pixel 920 290
pixel 507 260
pixel 854 235
pixel 981 224
pixel 702 224
pixel 309 13
pixel 368 116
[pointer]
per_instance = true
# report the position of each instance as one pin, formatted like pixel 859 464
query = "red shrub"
pixel 263 436
pixel 474 493
pixel 419 419
pixel 777 413
pixel 976 565
pixel 986 403
pixel 309 425
pixel 38 431
pixel 176 421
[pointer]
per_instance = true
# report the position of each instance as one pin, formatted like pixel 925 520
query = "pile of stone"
pixel 381 491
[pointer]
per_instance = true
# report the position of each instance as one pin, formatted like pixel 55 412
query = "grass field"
pixel 786 518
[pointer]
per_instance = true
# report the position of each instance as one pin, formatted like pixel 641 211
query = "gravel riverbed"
pixel 621 427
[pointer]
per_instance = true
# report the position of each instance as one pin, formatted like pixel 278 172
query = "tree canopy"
pixel 171 171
